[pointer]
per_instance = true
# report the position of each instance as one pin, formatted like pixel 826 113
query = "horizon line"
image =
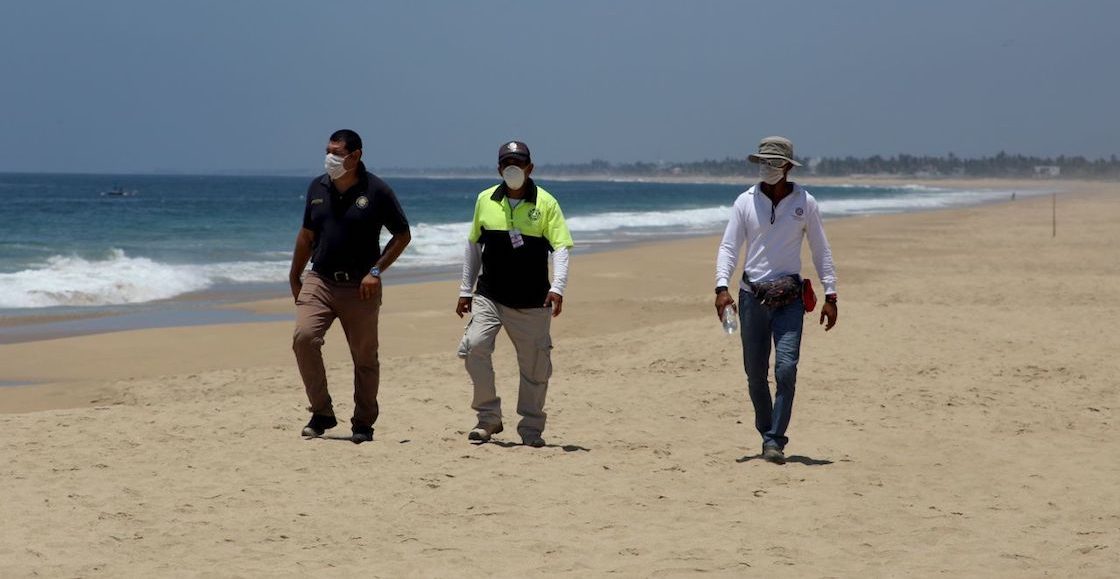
pixel 470 170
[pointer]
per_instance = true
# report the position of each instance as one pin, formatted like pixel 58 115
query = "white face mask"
pixel 514 177
pixel 334 166
pixel 770 175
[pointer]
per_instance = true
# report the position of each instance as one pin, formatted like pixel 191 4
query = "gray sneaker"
pixel 773 454
pixel 482 432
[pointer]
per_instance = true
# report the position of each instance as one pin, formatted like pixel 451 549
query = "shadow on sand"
pixel 501 443
pixel 564 447
pixel 338 437
pixel 792 458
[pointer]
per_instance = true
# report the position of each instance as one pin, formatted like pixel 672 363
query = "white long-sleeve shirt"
pixel 774 246
pixel 472 263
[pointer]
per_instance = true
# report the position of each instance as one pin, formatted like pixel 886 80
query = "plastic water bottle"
pixel 730 320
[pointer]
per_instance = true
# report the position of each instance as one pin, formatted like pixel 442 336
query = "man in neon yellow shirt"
pixel 516 226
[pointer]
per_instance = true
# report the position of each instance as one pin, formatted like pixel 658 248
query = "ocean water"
pixel 65 246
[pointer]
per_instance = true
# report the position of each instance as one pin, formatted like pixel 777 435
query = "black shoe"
pixel 482 432
pixel 319 424
pixel 360 435
pixel 533 440
pixel 773 454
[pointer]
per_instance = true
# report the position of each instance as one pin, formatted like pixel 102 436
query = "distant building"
pixel 1044 171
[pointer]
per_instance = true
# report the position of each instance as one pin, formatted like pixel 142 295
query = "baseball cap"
pixel 774 148
pixel 514 149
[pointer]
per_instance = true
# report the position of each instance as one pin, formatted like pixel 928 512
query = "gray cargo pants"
pixel 528 329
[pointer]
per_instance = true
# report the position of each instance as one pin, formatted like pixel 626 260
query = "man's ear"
pixel 528 169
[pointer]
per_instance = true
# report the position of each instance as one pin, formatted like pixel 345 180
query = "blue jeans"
pixel 761 324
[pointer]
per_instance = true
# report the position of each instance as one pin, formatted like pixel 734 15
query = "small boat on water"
pixel 119 192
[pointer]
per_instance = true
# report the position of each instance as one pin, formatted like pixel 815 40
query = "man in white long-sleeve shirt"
pixel 771 219
pixel 516 226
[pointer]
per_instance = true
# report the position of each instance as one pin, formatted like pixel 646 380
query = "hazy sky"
pixel 257 86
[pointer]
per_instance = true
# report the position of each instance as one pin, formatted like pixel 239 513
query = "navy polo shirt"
pixel 347 224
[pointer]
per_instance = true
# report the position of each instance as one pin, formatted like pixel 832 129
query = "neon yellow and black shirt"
pixel 517 277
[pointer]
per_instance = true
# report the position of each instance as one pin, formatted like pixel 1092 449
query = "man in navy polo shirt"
pixel 346 209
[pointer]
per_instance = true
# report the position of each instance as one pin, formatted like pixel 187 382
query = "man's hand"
pixel 305 241
pixel 828 311
pixel 464 306
pixel 370 288
pixel 556 301
pixel 724 299
pixel 297 285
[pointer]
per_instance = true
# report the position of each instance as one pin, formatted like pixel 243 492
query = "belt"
pixel 340 276
pixel 753 287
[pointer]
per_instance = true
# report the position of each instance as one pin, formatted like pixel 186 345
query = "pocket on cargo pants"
pixel 465 343
pixel 542 360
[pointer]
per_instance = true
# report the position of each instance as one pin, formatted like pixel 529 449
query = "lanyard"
pixel 509 208
pixel 509 213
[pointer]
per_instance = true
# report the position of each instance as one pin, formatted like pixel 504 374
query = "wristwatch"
pixel 720 289
pixel 375 271
pixel 830 299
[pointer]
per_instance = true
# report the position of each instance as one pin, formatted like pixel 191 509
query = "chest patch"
pixel 799 212
pixel 362 202
pixel 534 214
pixel 316 201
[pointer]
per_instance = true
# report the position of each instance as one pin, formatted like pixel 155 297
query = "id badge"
pixel 515 238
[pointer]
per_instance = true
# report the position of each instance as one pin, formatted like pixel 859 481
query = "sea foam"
pixel 118 279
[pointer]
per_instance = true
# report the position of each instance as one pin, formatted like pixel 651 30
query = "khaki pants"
pixel 528 330
pixel 319 303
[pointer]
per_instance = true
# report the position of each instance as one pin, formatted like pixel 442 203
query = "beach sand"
pixel 959 421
